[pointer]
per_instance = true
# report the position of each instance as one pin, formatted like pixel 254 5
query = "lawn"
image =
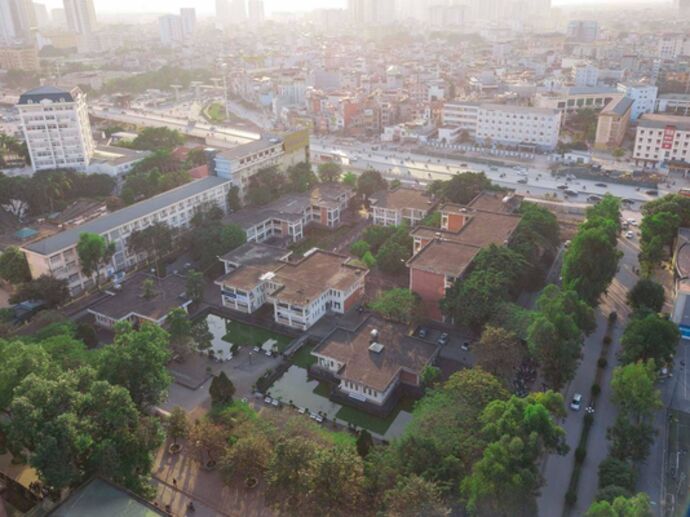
pixel 320 238
pixel 371 422
pixel 243 334
pixel 303 357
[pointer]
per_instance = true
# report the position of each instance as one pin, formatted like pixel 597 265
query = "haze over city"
pixel 345 258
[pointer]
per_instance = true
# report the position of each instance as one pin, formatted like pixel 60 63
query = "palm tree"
pixel 55 187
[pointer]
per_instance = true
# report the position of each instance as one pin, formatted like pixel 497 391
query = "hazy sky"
pixel 207 6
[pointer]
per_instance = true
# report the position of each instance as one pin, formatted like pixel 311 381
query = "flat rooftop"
pixel 486 228
pixel 289 207
pixel 376 370
pixel 444 257
pixel 618 106
pixel 403 197
pixel 499 202
pixel 101 225
pixel 168 294
pixel 253 147
pixel 256 254
pixel 660 121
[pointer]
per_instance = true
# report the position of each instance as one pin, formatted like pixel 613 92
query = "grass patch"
pixel 303 357
pixel 248 335
pixel 323 389
pixel 338 438
pixel 320 238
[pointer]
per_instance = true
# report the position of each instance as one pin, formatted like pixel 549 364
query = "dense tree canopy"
pixel 499 352
pixel 650 336
pixel 398 305
pixel 330 171
pixel 647 295
pixel 13 266
pixel 461 188
pixel 370 181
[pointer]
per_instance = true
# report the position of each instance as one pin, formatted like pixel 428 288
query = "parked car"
pixel 630 234
pixel 423 332
pixel 576 403
pixel 571 193
pixel 652 192
pixel 602 185
pixel 443 339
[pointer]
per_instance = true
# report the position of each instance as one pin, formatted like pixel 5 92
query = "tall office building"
pixel 81 16
pixel 371 12
pixel 17 18
pixel 188 16
pixel 583 31
pixel 58 17
pixel 238 11
pixel 255 9
pixel 171 30
pixel 41 12
pixel 56 128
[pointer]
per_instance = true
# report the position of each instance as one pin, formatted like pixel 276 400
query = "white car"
pixel 576 403
pixel 630 234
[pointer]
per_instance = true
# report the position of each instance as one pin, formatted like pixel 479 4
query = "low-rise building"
pixel 19 58
pixel 301 292
pixel 442 255
pixel 371 362
pixel 662 140
pixel 612 123
pixel 287 217
pixel 674 104
pixel 576 98
pixel 400 205
pixel 142 298
pixel 643 95
pixel 57 255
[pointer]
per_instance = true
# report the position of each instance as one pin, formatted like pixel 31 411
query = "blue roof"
pixel 46 92
pixel 25 233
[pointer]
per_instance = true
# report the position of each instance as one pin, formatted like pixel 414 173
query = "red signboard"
pixel 669 134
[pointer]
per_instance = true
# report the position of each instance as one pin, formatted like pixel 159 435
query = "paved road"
pixel 422 169
pixel 558 469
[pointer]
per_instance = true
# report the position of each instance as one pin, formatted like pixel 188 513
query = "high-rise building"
pixel 41 12
pixel 371 12
pixel 171 30
pixel 17 18
pixel 583 31
pixel 188 16
pixel 56 128
pixel 238 11
pixel 222 11
pixel 58 17
pixel 81 16
pixel 255 9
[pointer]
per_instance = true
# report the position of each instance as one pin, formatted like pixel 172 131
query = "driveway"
pixel 558 469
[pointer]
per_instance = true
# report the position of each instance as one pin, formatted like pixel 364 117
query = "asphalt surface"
pixel 558 469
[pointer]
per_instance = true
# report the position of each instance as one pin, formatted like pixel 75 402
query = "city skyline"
pixel 208 6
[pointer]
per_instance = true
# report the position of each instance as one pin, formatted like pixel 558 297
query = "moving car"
pixel 522 181
pixel 576 403
pixel 562 187
pixel 602 185
pixel 571 193
pixel 630 234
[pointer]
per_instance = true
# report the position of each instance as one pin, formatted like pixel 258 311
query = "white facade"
pixel 585 74
pixel 505 124
pixel 662 138
pixel 81 16
pixel 16 18
pixel 171 30
pixel 57 255
pixel 643 96
pixel 241 163
pixel 394 217
pixel 56 128
pixel 255 10
pixel 188 17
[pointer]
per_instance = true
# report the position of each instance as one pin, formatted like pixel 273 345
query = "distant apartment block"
pixel 20 58
pixel 576 98
pixel 673 104
pixel 56 128
pixel 643 95
pixel 57 255
pixel 582 31
pixel 663 140
pixel 505 124
pixel 301 292
pixel 401 205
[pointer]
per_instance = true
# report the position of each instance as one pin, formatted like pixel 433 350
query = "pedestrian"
pixel 175 482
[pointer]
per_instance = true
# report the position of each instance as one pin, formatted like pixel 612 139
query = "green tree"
pixel 13 266
pixel 556 345
pixel 213 239
pixel 148 289
pixel 52 290
pixel 195 286
pixel 155 138
pixel 662 225
pixel 265 186
pixel 234 203
pixel 369 260
pixel 301 177
pixel 499 352
pixel 154 241
pixel 554 302
pixel 249 455
pixel 208 440
pixel 349 179
pixel 19 359
pixel 462 188
pixel 137 361
pixel 413 496
pixel 222 389
pixel 178 426
pixel 630 440
pixel 633 390
pixel 370 181
pixel 330 171
pixel 637 506
pixel 180 329
pixel 650 336
pixel 94 253
pixel 647 294
pixel 375 236
pixel 202 335
pixel 616 472
pixel 359 248
pixel 365 442
pixel 397 304
pixel 337 485
pixel 590 264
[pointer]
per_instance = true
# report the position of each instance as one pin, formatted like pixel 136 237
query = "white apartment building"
pixel 171 30
pixel 506 124
pixel 188 17
pixel 57 255
pixel 81 16
pixel 661 139
pixel 585 74
pixel 56 128
pixel 643 96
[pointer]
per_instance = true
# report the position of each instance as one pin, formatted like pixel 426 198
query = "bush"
pixel 596 389
pixel 87 334
pixel 607 340
pixel 613 316
pixel 359 248
pixel 369 259
pixel 602 362
pixel 580 454
pixel 589 420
